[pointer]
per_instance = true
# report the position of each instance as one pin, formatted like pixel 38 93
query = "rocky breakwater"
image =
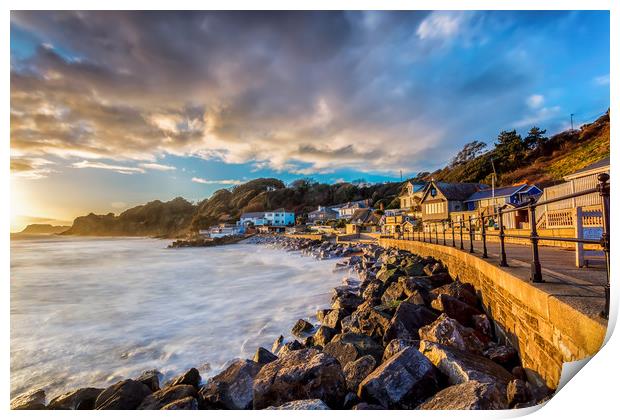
pixel 203 242
pixel 401 334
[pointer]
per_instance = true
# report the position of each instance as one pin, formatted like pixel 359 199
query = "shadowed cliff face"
pixel 152 219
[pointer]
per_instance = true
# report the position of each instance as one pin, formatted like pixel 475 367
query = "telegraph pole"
pixel 571 122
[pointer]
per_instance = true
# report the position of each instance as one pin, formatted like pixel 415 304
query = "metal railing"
pixel 460 229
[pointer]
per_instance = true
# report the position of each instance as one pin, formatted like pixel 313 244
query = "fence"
pixel 476 225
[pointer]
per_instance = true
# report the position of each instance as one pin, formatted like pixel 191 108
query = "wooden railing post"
pixel 603 188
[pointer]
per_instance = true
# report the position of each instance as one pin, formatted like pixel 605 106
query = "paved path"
pixel 582 288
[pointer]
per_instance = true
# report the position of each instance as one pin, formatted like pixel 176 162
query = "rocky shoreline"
pixel 401 334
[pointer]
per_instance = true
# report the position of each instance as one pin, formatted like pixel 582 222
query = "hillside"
pixel 155 218
pixel 534 158
pixel 546 162
pixel 43 229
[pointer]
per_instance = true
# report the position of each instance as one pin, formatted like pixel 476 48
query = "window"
pixel 435 208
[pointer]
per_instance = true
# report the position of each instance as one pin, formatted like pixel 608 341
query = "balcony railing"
pixel 477 225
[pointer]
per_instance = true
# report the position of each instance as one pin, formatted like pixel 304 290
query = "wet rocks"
pixel 503 355
pixel 232 389
pixel 323 336
pixel 470 395
pixel 459 366
pixel 31 400
pixel 191 377
pixel 349 347
pixel 263 356
pixel 401 382
pixel 170 394
pixel 517 392
pixel 449 332
pixel 187 403
pixel 302 328
pixel 356 371
pixel 333 318
pixel 315 375
pixel 123 395
pixel 80 399
pixel 455 309
pixel 406 322
pixel 150 378
pixel 313 404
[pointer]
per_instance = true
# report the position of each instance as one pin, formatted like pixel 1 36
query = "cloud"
pixel 157 167
pixel 535 101
pixel 217 181
pixel 442 25
pixel 30 168
pixel 127 170
pixel 302 92
pixel 602 80
pixel 541 115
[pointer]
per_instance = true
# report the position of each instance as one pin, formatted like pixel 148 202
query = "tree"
pixel 469 152
pixel 509 149
pixel 535 138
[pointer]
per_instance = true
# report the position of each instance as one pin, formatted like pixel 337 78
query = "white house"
pixel 256 218
pixel 280 217
pixel 221 231
pixel 345 211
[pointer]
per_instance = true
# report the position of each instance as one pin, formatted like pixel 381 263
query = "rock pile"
pixel 403 336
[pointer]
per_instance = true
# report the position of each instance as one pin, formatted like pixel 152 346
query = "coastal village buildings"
pixel 441 199
pixel 322 214
pixel 279 218
pixel 410 201
pixel 345 211
pixel 221 230
pixel 363 221
pixel 485 202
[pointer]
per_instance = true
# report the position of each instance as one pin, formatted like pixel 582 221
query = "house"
pixel 440 199
pixel 393 223
pixel 221 230
pixel 345 211
pixel 485 201
pixel 322 214
pixel 363 220
pixel 410 200
pixel 280 217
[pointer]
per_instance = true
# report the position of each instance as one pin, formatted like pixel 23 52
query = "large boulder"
pixel 503 355
pixel 150 378
pixel 80 399
pixel 394 293
pixel 123 395
pixel 470 395
pixel 288 347
pixel 313 404
pixel 374 291
pixel 401 382
pixel 263 356
pixel 517 392
pixel 449 332
pixel 232 389
pixel 323 335
pixel 355 372
pixel 159 399
pixel 31 400
pixel 333 317
pixel 348 347
pixel 464 292
pixel 406 322
pixel 413 267
pixel 302 328
pixel 187 403
pixel 191 377
pixel 369 321
pixel 389 274
pixel 456 309
pixel 397 345
pixel 459 366
pixel 349 302
pixel 299 375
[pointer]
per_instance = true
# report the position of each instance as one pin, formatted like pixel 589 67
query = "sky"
pixel 113 109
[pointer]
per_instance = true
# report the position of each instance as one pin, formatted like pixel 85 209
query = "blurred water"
pixel 88 311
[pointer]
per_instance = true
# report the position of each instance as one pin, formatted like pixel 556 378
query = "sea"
pixel 93 311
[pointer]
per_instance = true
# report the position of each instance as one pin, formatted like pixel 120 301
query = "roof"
pixel 252 215
pixel 324 210
pixel 361 216
pixel 499 192
pixel 601 164
pixel 459 191
pixel 280 210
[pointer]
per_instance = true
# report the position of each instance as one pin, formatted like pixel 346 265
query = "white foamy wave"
pixel 89 312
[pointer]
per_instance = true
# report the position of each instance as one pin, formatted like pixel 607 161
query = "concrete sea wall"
pixel 545 330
